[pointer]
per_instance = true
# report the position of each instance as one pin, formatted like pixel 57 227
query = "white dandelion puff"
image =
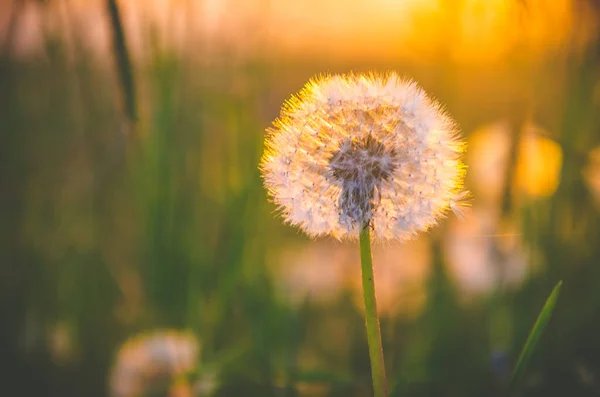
pixel 358 150
pixel 149 362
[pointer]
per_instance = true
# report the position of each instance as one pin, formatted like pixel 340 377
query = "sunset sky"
pixel 462 30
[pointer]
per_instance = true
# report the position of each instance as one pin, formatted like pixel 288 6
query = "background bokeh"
pixel 131 201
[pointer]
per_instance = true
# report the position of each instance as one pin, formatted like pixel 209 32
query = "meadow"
pixel 132 202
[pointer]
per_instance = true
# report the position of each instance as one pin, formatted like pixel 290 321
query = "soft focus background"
pixel 140 255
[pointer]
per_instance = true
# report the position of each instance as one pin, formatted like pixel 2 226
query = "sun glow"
pixel 422 30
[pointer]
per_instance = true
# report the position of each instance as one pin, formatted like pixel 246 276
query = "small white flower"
pixel 357 150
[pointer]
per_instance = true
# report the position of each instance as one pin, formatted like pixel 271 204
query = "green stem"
pixel 373 331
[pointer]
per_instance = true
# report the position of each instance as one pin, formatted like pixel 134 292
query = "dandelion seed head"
pixel 363 149
pixel 147 361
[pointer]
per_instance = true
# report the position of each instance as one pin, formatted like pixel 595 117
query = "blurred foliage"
pixel 111 228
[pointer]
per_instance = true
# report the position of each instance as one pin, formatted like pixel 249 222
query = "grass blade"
pixel 533 338
pixel 123 61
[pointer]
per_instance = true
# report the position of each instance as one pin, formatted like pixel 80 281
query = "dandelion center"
pixel 359 166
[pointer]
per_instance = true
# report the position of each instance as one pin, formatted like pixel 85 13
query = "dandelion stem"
pixel 373 331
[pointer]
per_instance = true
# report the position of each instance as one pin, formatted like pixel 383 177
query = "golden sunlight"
pixel 465 31
pixel 538 161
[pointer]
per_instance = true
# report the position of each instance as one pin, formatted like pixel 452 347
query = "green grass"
pixel 169 226
pixel 532 339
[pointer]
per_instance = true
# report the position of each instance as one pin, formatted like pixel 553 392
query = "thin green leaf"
pixel 533 338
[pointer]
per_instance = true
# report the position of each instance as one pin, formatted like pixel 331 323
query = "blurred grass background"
pixel 131 200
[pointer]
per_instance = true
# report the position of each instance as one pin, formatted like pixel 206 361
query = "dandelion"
pixel 153 362
pixel 352 150
pixel 356 153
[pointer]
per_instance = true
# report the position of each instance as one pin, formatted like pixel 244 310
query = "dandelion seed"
pixel 461 204
pixel 357 150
